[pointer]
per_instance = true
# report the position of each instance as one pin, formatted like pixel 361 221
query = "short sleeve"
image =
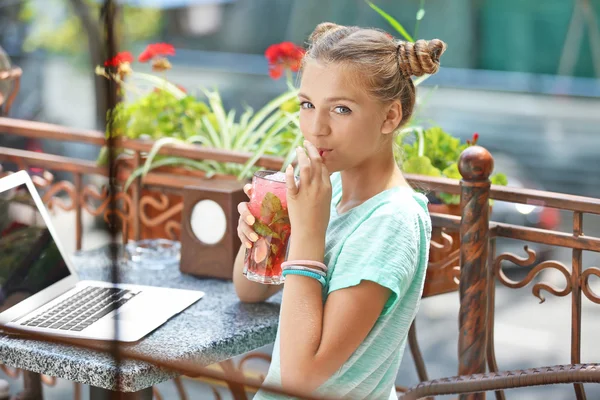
pixel 383 249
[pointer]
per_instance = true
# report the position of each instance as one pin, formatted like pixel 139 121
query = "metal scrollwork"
pixel 448 265
pixel 43 181
pixel 173 229
pixel 162 204
pixel 585 284
pixel 538 287
pixel 122 200
pixel 446 244
pixel 51 199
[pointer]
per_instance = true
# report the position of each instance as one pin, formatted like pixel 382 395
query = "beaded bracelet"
pixel 307 263
pixel 305 273
pixel 305 268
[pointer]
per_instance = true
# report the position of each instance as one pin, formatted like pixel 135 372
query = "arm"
pixel 330 334
pixel 248 291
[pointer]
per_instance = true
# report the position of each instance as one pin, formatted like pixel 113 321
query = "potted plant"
pixel 435 152
pixel 165 113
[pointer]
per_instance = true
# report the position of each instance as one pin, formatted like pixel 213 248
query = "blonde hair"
pixel 386 64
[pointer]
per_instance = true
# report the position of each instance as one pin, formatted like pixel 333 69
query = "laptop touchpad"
pixel 129 314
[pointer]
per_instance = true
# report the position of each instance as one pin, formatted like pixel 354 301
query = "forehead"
pixel 320 80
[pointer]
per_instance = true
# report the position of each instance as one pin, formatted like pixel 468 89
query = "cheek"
pixel 304 121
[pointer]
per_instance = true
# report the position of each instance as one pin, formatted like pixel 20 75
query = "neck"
pixel 366 180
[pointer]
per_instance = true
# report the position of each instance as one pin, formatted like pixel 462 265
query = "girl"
pixel 353 215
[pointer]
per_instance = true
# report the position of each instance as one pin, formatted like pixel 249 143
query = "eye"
pixel 306 105
pixel 342 110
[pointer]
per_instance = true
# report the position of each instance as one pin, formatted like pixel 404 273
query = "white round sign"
pixel 208 222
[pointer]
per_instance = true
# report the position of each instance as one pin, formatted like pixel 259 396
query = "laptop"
pixel 40 290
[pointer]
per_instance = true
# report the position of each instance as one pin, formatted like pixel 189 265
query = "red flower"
pixel 281 56
pixel 473 140
pixel 156 49
pixel 119 59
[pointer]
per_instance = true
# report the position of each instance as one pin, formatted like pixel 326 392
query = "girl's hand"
pixel 245 231
pixel 309 202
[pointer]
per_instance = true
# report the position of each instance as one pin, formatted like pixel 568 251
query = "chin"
pixel 331 168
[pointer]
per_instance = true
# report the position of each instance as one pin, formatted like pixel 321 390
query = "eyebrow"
pixel 330 99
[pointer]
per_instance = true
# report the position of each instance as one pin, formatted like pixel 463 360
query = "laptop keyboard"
pixel 81 309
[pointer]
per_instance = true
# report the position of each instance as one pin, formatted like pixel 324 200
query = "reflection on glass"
pixel 29 258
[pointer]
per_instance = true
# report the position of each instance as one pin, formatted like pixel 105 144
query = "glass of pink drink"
pixel 268 204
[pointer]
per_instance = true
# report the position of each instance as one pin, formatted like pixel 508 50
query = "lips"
pixel 324 151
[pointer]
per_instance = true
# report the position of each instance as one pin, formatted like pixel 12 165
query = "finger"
pixel 325 174
pixel 245 214
pixel 247 231
pixel 243 238
pixel 290 181
pixel 304 165
pixel 316 161
pixel 248 189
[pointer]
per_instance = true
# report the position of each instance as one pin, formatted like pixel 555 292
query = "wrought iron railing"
pixel 470 267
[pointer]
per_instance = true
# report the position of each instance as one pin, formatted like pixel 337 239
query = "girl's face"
pixel 338 116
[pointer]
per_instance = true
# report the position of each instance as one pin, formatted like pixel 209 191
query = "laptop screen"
pixel 29 259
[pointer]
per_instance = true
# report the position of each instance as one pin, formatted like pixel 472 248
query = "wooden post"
pixel 475 166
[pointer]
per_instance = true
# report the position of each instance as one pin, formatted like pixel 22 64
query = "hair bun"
pixel 323 29
pixel 421 57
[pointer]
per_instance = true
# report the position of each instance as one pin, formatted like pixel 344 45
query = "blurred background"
pixel 523 74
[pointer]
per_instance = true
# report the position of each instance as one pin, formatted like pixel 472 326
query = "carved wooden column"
pixel 475 166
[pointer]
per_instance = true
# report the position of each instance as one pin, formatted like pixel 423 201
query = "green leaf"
pixel 198 140
pixel 216 106
pixel 214 136
pixel 263 230
pixel 248 111
pixel 281 217
pixel 452 172
pixel 265 142
pixel 499 179
pixel 246 136
pixel 270 206
pixel 449 198
pixel 155 149
pixel 177 161
pixel 231 118
pixel 420 165
pixel 393 22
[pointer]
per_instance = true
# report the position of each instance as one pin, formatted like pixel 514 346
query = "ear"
pixel 392 118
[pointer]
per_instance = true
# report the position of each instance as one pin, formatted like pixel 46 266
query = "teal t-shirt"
pixel 384 240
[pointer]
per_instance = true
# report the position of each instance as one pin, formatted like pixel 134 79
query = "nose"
pixel 320 126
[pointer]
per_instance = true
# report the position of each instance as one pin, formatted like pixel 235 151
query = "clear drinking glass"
pixel 268 205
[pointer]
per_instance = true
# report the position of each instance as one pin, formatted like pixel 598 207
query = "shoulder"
pixel 401 208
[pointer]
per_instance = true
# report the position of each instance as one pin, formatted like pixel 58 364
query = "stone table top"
pixel 215 328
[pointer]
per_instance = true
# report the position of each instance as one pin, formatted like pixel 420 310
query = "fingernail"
pixel 254 237
pixel 249 245
pixel 250 219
